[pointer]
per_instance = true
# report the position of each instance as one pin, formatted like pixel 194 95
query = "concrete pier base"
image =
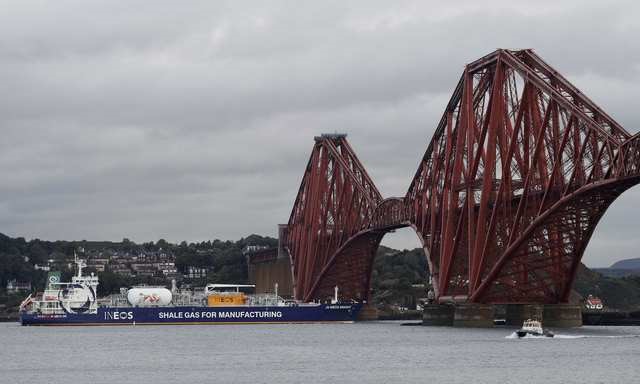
pixel 458 315
pixel 473 315
pixel 562 315
pixel 438 315
pixel 551 315
pixel 368 312
pixel 482 315
pixel 516 314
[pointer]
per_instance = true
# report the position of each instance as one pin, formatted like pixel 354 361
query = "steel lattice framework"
pixel 521 168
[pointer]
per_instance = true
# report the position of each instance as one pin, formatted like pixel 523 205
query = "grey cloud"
pixel 194 121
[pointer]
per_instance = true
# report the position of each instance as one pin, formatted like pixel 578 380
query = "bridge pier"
pixel 438 315
pixel 473 316
pixel 516 314
pixel 482 315
pixel 551 315
pixel 458 315
pixel 368 312
pixel 562 315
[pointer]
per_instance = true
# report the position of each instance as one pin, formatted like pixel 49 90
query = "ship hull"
pixel 322 313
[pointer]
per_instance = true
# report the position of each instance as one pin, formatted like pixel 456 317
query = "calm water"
pixel 379 352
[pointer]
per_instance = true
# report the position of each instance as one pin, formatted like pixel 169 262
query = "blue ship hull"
pixel 201 315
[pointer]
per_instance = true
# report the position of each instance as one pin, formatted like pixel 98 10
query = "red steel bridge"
pixel 521 168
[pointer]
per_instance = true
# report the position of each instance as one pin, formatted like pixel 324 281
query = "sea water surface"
pixel 368 352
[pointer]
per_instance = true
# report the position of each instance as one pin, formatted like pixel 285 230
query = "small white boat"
pixel 533 328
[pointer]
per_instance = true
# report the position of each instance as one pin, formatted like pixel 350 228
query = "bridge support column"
pixel 517 313
pixel 368 312
pixel 458 315
pixel 562 315
pixel 438 315
pixel 473 315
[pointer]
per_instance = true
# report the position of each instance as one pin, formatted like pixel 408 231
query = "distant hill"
pixel 622 268
pixel 627 264
pixel 617 272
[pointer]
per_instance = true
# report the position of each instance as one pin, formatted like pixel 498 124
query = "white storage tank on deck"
pixel 149 296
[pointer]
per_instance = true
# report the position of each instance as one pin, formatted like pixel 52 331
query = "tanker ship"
pixel 76 303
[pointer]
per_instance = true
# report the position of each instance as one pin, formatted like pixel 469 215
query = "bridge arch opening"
pixel 615 236
pixel 362 267
pixel 400 273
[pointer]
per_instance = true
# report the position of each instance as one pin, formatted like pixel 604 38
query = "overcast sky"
pixel 194 120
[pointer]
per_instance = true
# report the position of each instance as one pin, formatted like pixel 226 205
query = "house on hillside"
pixel 14 286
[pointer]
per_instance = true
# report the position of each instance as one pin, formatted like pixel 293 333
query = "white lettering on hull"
pixel 220 315
pixel 118 315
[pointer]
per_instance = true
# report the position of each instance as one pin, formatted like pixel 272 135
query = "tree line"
pixel 224 260
pixel 394 272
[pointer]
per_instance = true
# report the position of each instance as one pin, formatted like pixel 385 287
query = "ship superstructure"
pixel 59 298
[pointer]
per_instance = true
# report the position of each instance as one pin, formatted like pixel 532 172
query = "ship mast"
pixel 79 262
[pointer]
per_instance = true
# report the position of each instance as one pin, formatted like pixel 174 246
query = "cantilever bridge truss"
pixel 521 168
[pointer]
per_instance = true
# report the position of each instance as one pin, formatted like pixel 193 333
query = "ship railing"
pixel 49 308
pixel 265 299
pixel 114 300
pixel 188 298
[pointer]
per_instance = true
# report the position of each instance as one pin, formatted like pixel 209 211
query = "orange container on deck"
pixel 226 299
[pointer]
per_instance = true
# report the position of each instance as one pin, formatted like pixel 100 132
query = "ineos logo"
pixel 128 315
